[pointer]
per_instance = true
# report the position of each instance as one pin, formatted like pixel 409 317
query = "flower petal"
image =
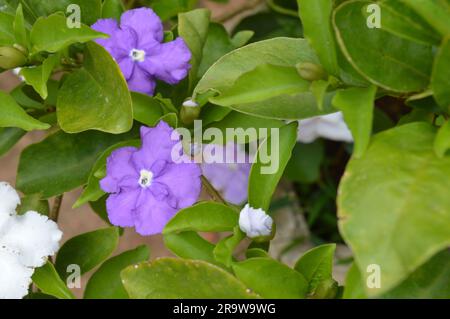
pixel 118 167
pixel 107 26
pixel 14 277
pixel 34 236
pixel 184 182
pixel 9 199
pixel 145 23
pixel 140 81
pixel 169 61
pixel 121 208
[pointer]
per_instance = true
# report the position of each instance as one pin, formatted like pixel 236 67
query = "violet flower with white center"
pixel 230 179
pixel 331 126
pixel 137 46
pixel 147 188
pixel 25 243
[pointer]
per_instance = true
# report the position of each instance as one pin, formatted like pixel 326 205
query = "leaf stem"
pixel 54 213
pixel 212 191
pixel 277 8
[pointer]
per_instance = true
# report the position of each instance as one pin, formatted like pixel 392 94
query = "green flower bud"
pixel 311 71
pixel 11 58
pixel 190 111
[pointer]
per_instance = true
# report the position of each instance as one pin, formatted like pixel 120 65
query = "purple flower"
pixel 230 179
pixel 136 45
pixel 147 188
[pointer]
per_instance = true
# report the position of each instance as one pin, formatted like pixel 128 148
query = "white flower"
pixel 255 222
pixel 25 242
pixel 330 126
pixel 16 72
pixel 190 103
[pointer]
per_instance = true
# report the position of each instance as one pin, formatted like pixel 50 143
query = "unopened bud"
pixel 11 58
pixel 311 71
pixel 190 111
pixel 256 224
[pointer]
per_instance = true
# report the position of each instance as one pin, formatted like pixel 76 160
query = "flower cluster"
pixel 25 242
pixel 137 46
pixel 147 187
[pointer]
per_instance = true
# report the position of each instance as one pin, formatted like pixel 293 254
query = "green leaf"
pixel 9 136
pixel 33 202
pixel 399 19
pixel 430 281
pixel 387 215
pixel 278 51
pixel 357 104
pixel 304 164
pixel 264 177
pixel 190 245
pixel 223 252
pixel 96 96
pixel 92 192
pixel 167 9
pixel 442 141
pixel 316 265
pixel 170 278
pixel 435 12
pixel 20 31
pixel 70 157
pixel 6 29
pixel 204 217
pixel 48 281
pixel 146 109
pixel 319 89
pixel 87 250
pixel 316 21
pixel 52 34
pixel 264 82
pixel 14 116
pixel 38 76
pixel 440 79
pixel 271 279
pixel 393 63
pixel 112 9
pixel 106 283
pixel 193 28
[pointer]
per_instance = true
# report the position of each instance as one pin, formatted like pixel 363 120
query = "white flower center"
pixel 145 180
pixel 137 55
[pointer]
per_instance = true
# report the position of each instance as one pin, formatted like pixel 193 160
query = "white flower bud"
pixel 255 222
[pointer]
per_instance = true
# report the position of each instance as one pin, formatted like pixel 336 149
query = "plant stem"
pixel 212 191
pixel 275 7
pixel 54 213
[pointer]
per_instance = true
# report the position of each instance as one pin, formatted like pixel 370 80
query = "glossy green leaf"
pixel 146 109
pixel 402 21
pixel 264 82
pixel 316 265
pixel 170 278
pixel 190 245
pixel 357 105
pixel 106 283
pixel 442 141
pixel 264 176
pixel 167 9
pixel 435 12
pixel 14 116
pixel 6 29
pixel 316 21
pixel 193 28
pixel 386 60
pixel 92 192
pixel 271 279
pixel 96 96
pixel 384 203
pixel 9 136
pixel 52 34
pixel 87 250
pixel 112 9
pixel 440 80
pixel 203 217
pixel 319 89
pixel 223 252
pixel 278 51
pixel 70 157
pixel 38 76
pixel 48 281
pixel 20 31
